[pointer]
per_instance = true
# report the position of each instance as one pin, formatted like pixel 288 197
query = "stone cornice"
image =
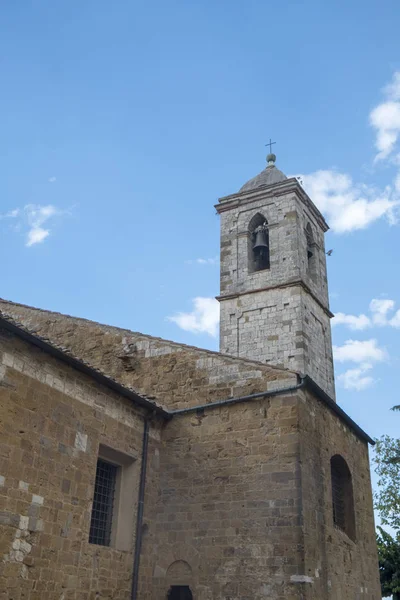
pixel 269 191
pixel 297 282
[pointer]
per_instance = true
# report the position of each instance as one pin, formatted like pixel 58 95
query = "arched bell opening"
pixel 311 252
pixel 258 244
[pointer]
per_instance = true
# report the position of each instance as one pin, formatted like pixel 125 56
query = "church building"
pixel 133 467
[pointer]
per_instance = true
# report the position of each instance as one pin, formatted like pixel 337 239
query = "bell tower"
pixel 274 293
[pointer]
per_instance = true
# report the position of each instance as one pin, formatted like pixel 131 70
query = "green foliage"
pixel 387 498
pixel 389 564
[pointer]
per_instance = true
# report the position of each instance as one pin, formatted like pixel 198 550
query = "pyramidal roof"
pixel 268 176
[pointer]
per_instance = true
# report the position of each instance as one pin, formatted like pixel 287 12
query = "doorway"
pixel 180 592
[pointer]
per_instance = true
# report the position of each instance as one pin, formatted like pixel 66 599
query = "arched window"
pixel 311 252
pixel 342 496
pixel 258 244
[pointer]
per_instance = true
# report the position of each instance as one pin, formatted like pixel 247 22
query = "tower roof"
pixel 268 176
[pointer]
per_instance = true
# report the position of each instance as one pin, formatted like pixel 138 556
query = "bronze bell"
pixel 261 242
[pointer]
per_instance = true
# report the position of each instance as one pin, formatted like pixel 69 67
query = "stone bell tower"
pixel 274 294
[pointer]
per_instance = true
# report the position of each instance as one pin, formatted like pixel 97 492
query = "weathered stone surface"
pixel 265 314
pixel 175 374
pixel 237 500
pixel 44 522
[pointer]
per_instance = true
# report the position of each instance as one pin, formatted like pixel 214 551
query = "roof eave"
pixel 319 392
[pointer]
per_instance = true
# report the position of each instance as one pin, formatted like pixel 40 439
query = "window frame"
pixel 125 497
pixel 103 503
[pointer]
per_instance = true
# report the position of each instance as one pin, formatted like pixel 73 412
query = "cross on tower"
pixel 270 144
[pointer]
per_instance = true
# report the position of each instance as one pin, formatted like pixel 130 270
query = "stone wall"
pixel 245 507
pixel 279 315
pixel 238 500
pixel 338 567
pixel 227 521
pixel 175 374
pixel 282 327
pixel 52 420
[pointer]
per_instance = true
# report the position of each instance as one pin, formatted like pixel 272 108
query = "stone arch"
pixel 258 260
pixel 179 573
pixel 172 553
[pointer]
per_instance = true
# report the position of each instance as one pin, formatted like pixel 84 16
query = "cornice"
pixel 268 191
pixel 297 282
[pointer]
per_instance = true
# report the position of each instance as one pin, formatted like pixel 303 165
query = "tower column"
pixel 274 295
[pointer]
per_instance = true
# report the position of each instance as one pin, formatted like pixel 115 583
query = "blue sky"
pixel 123 122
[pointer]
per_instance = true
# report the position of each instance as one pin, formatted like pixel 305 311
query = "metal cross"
pixel 270 144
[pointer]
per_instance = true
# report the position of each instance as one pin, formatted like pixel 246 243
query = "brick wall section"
pixel 229 505
pixel 340 568
pixel 245 503
pixel 52 420
pixel 176 374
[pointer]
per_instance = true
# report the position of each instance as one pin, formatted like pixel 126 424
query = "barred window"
pixel 342 496
pixel 103 503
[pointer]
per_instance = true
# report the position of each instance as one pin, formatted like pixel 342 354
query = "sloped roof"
pixel 100 352
pixel 118 353
pixel 65 355
pixel 268 176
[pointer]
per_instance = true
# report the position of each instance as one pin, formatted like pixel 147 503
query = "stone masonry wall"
pixel 176 374
pixel 283 327
pixel 52 420
pixel 338 567
pixel 267 315
pixel 227 521
pixel 244 509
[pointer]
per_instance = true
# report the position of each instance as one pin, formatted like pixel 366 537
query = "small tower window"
pixel 258 244
pixel 342 496
pixel 311 252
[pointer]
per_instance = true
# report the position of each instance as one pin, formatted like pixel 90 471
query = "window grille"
pixel 103 503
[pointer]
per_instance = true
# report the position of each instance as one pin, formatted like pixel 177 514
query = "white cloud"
pixel 395 321
pixel 37 215
pixel 36 235
pixel 32 218
pixel 357 351
pixel 385 119
pixel 392 90
pixel 353 322
pixel 348 206
pixel 356 379
pixel 11 214
pixel 204 317
pixel 379 309
pixel 203 261
pixel 52 179
pixel 380 317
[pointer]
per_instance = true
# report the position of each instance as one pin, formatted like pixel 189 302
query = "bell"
pixel 261 242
